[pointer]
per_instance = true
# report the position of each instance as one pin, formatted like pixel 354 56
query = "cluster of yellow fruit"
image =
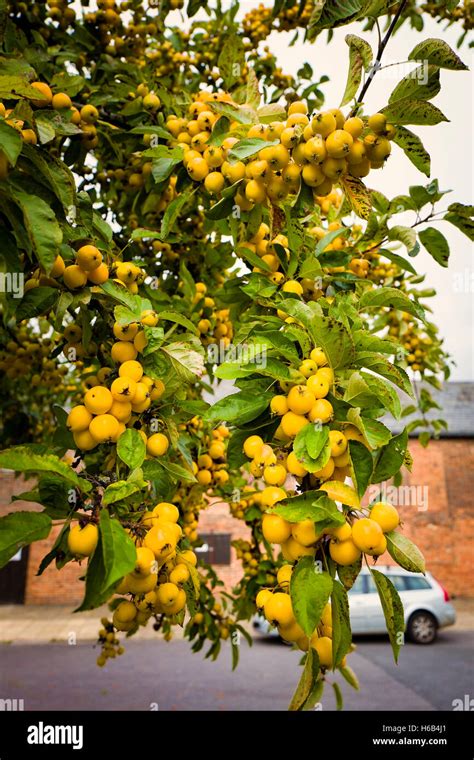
pixel 365 535
pixel 107 15
pixel 85 118
pixel 214 325
pixel 316 150
pixel 211 467
pixel 155 585
pixel 378 271
pixel 110 645
pixel 278 610
pixel 462 12
pixel 240 507
pixel 105 413
pixel 219 618
pixel 417 344
pixel 249 554
pixel 331 201
pixel 27 354
pixel 59 11
pixel 73 348
pixel 89 267
pixel 259 22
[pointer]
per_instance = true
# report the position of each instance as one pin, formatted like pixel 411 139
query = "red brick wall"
pixel 52 587
pixel 443 528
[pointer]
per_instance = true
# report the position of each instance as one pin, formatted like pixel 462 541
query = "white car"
pixel 426 605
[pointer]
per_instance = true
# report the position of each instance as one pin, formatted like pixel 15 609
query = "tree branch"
pixel 376 66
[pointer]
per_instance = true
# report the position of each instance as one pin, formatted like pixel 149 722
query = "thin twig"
pixel 382 45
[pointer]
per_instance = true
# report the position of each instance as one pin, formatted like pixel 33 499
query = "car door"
pixel 356 604
pixel 374 617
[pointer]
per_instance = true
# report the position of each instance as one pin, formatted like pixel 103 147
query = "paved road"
pixel 62 677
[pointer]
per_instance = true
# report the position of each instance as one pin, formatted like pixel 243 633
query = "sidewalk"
pixel 44 624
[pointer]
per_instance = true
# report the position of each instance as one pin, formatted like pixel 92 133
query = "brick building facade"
pixel 435 504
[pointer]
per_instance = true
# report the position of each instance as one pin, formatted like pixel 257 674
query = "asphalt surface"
pixel 168 676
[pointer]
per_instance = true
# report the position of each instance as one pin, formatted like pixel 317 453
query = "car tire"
pixel 422 627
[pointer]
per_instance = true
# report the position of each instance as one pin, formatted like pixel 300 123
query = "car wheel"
pixel 422 627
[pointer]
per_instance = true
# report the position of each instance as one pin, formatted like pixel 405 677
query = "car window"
pixel 416 584
pixel 358 587
pixel 397 580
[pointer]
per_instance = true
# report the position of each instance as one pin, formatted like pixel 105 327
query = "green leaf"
pixel 405 552
pixel 381 366
pixel 177 471
pixel 252 95
pixel 414 150
pixel 391 458
pixel 348 574
pixel 231 59
pixel 54 123
pixel 438 53
pixel 462 222
pixel 58 551
pixel 331 335
pixel 360 59
pixel 249 146
pixel 220 131
pixel 318 439
pixel 36 302
pixel 164 165
pixel 405 235
pixel 271 112
pixel 10 142
pixel 341 625
pixel 41 225
pixel 332 14
pixel 173 211
pixel 23 459
pixel 349 675
pixel 19 529
pixel 376 433
pixel 361 466
pixel 310 590
pixel 16 87
pixel 398 260
pixel 341 492
pixel 436 244
pixel 123 296
pixel 131 448
pixel 118 550
pixel 392 610
pixel 238 408
pixel 338 695
pixel 306 682
pixel 186 362
pixel 380 392
pixel 411 111
pixel 95 594
pixel 311 505
pixel 58 176
pixel 462 209
pixel 327 239
pixel 318 688
pixel 421 84
pixel 393 298
pixel 357 195
pixel 118 491
pixel 241 114
pixel 179 319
